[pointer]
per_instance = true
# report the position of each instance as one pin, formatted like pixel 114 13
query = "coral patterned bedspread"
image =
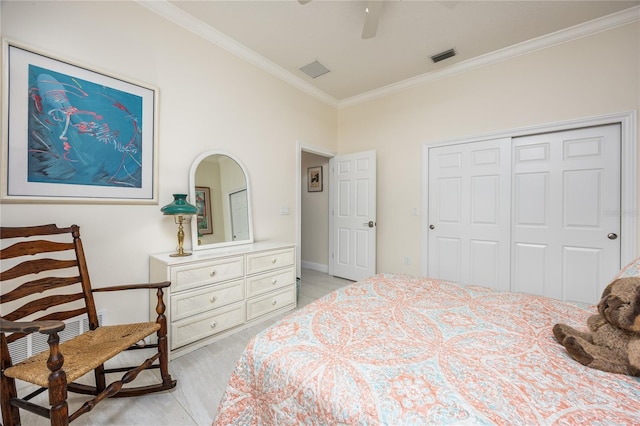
pixel 395 350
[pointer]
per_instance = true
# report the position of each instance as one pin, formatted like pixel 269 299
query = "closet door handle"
pixel 612 236
pixel 432 227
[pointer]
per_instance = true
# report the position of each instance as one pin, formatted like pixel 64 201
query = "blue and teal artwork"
pixel 82 133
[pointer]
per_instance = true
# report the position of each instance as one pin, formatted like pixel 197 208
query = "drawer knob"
pixel 213 324
pixel 274 260
pixel 274 302
pixel 274 281
pixel 213 299
pixel 212 273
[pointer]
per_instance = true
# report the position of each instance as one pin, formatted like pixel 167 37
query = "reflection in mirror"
pixel 219 187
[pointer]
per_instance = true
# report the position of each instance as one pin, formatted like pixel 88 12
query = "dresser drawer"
pixel 204 325
pixel 190 276
pixel 263 283
pixel 189 303
pixel 267 261
pixel 268 303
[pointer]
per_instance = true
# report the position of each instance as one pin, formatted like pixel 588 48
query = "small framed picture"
pixel 203 203
pixel 314 179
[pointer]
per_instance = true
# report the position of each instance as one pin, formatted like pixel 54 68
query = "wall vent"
pixel 443 55
pixel 35 343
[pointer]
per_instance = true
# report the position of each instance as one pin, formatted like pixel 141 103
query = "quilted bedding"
pixel 395 349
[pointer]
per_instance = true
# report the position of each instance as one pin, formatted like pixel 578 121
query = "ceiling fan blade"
pixel 371 18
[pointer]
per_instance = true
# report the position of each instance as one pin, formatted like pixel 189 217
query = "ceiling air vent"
pixel 314 69
pixel 443 55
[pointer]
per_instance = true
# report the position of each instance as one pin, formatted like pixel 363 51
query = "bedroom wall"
pixel 209 99
pixel 591 76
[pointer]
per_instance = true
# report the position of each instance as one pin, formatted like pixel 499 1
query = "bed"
pixel 396 349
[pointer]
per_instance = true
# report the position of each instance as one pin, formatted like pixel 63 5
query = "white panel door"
pixel 239 215
pixel 469 213
pixel 566 192
pixel 354 215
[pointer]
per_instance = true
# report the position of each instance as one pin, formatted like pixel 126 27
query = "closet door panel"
pixel 530 273
pixel 469 187
pixel 485 262
pixel 582 199
pixel 564 183
pixel 580 272
pixel 449 259
pixel 485 199
pixel 450 196
pixel 531 199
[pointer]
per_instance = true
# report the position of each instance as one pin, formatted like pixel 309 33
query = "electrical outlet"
pixel 406 260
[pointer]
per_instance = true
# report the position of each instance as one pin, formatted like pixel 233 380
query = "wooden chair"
pixel 44 280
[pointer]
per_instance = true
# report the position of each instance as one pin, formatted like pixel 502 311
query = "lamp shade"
pixel 179 206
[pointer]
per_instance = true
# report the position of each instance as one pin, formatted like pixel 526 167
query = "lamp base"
pixel 179 254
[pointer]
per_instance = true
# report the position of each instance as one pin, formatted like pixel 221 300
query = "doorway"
pixel 312 220
pixel 336 231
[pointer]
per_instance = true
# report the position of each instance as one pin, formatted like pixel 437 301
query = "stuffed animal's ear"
pixel 620 303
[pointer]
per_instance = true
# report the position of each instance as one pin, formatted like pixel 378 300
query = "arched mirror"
pixel 219 187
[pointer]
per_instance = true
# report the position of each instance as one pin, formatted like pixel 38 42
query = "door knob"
pixel 612 236
pixel 432 227
pixel 370 224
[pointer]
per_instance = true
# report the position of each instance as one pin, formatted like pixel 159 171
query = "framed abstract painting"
pixel 73 134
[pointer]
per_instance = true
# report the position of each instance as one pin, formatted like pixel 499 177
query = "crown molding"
pixel 194 25
pixel 187 21
pixel 604 23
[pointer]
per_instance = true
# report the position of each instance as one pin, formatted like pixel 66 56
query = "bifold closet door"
pixel 469 213
pixel 565 225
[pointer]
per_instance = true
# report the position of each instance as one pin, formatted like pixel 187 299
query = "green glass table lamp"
pixel 180 210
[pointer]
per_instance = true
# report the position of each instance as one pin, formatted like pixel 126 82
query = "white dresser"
pixel 217 292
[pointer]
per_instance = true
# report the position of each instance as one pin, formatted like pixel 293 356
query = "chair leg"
pixel 164 359
pixel 10 414
pixel 59 411
pixel 163 347
pixel 101 381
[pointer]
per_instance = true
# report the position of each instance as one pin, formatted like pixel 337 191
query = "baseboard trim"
pixel 315 266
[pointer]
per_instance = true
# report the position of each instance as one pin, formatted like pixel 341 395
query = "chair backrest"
pixel 43 276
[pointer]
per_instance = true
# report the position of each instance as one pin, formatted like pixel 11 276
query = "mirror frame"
pixel 192 196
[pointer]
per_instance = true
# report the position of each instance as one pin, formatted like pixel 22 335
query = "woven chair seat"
pixel 84 352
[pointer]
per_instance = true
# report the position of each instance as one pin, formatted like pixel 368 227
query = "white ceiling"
pixel 285 35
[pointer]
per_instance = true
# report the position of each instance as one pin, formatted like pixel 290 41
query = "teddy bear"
pixel 613 342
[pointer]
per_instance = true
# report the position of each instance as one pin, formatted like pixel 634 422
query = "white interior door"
pixel 353 215
pixel 565 227
pixel 239 215
pixel 469 213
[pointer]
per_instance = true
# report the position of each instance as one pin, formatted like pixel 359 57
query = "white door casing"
pixel 565 234
pixel 469 212
pixel 353 215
